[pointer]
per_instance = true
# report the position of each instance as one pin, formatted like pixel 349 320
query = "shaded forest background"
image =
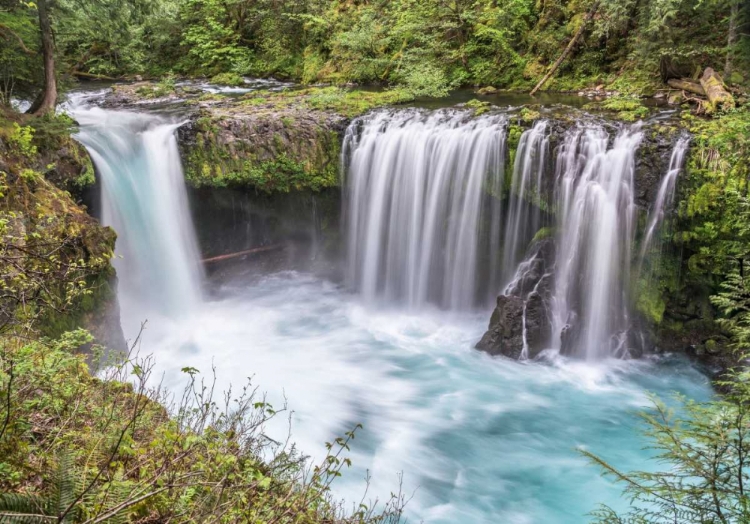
pixel 429 46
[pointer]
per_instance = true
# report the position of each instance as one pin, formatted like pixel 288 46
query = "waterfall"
pixel 526 194
pixel 144 200
pixel 421 225
pixel 595 211
pixel 665 196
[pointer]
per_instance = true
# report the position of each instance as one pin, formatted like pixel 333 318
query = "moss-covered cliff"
pixel 267 141
pixel 268 150
pixel 58 248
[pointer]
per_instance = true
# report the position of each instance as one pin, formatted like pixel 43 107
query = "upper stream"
pixel 478 439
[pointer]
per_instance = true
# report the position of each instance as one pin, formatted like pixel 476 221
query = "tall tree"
pixel 47 99
pixel 734 16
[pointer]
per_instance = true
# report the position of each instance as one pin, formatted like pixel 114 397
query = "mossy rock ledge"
pixel 267 141
pixel 268 150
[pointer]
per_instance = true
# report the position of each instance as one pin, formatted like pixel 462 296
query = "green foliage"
pixel 734 303
pixel 422 46
pixel 703 449
pixel 228 79
pixel 733 298
pixel 111 449
pixel 711 209
pixel 21 138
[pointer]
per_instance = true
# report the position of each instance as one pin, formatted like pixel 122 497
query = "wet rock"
pixel 537 264
pixel 569 338
pixel 652 163
pixel 505 333
pixel 526 300
pixel 538 321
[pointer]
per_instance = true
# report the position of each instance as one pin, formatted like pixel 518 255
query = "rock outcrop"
pixel 521 326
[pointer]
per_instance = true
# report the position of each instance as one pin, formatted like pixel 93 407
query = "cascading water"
pixel 421 226
pixel 144 200
pixel 596 212
pixel 526 193
pixel 665 196
pixel 484 440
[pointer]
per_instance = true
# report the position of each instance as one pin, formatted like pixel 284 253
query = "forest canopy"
pixel 428 46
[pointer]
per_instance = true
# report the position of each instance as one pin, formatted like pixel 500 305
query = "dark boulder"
pixel 538 264
pixel 526 300
pixel 505 333
pixel 538 321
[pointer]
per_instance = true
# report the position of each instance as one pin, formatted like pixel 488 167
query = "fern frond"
pixel 63 486
pixel 23 509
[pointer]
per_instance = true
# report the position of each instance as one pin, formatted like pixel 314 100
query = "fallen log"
pixel 718 96
pixel 589 15
pixel 243 253
pixel 687 85
pixel 92 76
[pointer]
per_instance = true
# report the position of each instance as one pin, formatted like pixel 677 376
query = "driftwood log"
pixel 718 96
pixel 687 85
pixel 230 256
pixel 589 15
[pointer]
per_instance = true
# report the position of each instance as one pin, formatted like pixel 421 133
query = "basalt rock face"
pixel 270 150
pixel 505 333
pixel 652 163
pixel 522 323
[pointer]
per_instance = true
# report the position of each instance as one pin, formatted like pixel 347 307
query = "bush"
pixel 228 79
pixel 113 448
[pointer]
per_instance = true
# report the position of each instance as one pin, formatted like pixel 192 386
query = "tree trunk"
pixel 718 96
pixel 687 85
pixel 568 49
pixel 47 100
pixel 734 16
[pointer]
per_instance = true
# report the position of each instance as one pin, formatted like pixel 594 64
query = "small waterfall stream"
pixel 526 194
pixel 596 215
pixel 144 200
pixel 665 196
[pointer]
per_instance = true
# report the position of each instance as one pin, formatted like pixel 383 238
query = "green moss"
pixel 228 79
pixel 513 138
pixel 307 166
pixel 529 115
pixel 650 302
pixel 543 233
pixel 345 102
pixel 627 108
pixel 478 106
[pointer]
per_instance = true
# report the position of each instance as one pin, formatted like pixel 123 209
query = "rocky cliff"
pixel 40 164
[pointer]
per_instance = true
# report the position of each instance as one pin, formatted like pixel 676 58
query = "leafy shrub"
pixel 228 79
pixel 21 138
pixel 126 453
